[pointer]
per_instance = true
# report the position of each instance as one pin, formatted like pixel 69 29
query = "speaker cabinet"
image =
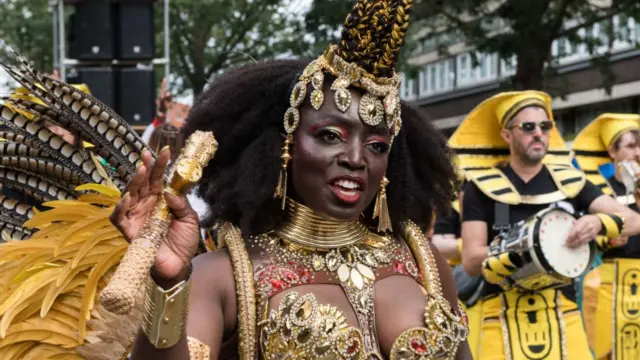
pixel 91 31
pixel 100 80
pixel 136 95
pixel 134 30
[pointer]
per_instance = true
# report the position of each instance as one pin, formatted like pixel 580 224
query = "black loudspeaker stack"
pixel 101 31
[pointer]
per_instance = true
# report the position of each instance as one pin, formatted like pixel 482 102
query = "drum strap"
pixel 501 222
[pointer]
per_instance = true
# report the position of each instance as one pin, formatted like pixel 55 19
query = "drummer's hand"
pixel 134 209
pixel 584 230
pixel 619 241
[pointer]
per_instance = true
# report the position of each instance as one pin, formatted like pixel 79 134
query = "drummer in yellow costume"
pixel 616 302
pixel 517 165
pixel 446 235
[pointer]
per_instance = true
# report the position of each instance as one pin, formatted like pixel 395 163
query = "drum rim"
pixel 538 253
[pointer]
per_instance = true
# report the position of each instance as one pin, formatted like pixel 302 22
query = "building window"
pixel 407 88
pixel 464 69
pixel 438 77
pixel 508 67
pixel 488 67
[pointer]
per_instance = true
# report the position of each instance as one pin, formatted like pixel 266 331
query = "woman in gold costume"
pixel 308 272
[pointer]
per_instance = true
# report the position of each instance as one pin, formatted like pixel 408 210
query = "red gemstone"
pixel 278 284
pixel 353 347
pixel 288 276
pixel 418 346
pixel 305 276
pixel 399 267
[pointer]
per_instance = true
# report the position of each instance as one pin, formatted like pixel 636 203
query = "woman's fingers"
pixel 133 189
pixel 147 160
pixel 180 207
pixel 119 215
pixel 156 178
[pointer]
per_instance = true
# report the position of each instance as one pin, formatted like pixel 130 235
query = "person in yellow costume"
pixel 517 165
pixel 324 185
pixel 446 234
pixel 611 291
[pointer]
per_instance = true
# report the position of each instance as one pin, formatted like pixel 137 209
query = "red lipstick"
pixel 348 189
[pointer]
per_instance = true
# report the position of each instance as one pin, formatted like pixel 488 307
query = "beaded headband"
pixel 372 37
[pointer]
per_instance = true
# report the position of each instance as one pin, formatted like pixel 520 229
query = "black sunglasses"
pixel 530 126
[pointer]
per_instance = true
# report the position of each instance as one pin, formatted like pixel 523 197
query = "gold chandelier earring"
pixel 381 208
pixel 291 122
pixel 281 188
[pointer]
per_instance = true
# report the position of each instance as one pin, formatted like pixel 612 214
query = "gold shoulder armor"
pixel 600 181
pixel 493 183
pixel 245 291
pixel 569 180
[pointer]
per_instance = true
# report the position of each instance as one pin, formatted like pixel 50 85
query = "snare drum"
pixel 541 243
pixel 630 174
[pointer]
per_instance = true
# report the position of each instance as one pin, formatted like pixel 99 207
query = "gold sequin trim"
pixel 245 292
pixel 198 350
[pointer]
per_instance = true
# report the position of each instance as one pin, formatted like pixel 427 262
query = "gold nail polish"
pixel 166 147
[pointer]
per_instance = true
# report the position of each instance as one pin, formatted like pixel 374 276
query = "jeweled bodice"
pixel 300 326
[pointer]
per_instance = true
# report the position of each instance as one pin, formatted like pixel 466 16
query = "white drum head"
pixel 555 226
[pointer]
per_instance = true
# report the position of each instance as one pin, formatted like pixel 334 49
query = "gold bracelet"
pixel 165 313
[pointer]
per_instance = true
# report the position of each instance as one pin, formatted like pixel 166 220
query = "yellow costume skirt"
pixel 613 319
pixel 528 326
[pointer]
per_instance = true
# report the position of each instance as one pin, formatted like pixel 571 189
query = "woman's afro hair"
pixel 244 108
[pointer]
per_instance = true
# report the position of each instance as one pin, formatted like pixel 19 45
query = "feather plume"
pixel 49 283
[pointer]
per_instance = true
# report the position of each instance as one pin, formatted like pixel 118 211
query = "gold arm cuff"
pixel 198 350
pixel 165 313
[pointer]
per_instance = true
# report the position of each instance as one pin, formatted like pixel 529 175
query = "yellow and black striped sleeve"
pixel 612 224
pixel 497 268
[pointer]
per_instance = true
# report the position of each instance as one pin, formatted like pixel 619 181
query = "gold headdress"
pixel 478 143
pixel 591 144
pixel 372 37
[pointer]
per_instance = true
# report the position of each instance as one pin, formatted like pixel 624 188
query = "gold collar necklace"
pixel 306 228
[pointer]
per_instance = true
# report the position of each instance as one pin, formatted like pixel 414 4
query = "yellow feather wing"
pixel 49 283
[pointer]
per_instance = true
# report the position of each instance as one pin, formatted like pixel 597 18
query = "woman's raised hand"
pixel 138 204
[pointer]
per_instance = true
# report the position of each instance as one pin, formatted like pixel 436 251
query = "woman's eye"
pixel 379 147
pixel 330 136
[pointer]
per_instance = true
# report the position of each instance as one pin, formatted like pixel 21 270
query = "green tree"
pixel 524 30
pixel 26 25
pixel 208 36
pixel 323 22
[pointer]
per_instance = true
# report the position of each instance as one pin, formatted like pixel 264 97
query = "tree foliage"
pixel 210 35
pixel 524 30
pixel 26 25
